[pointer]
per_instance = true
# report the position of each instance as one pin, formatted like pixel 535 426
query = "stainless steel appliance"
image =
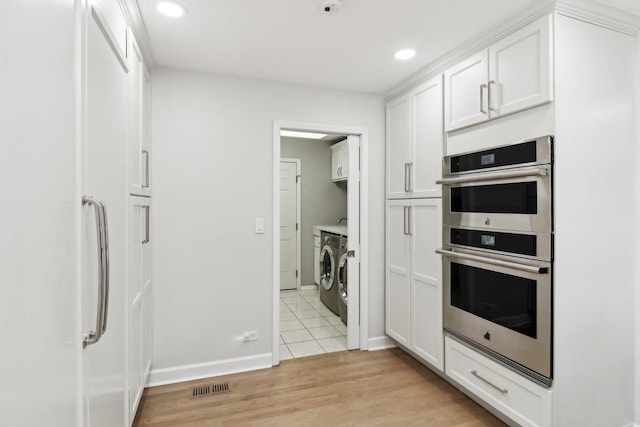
pixel 498 253
pixel 330 244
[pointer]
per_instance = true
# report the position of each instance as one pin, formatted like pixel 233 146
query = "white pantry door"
pixel 104 178
pixel 288 225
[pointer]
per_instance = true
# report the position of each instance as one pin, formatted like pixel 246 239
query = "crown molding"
pixel 600 14
pixel 584 10
pixel 133 16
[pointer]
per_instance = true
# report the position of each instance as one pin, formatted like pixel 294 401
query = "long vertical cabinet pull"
pixel 103 290
pixel 410 220
pixel 482 87
pixel 407 173
pixel 145 153
pixel 491 82
pixel 146 225
pixel 406 220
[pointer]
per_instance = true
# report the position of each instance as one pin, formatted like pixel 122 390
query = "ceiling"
pixel 294 41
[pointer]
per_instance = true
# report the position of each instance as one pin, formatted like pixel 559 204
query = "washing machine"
pixel 342 280
pixel 329 246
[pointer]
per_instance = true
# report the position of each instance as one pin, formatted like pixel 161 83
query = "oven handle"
pixel 519 173
pixel 492 261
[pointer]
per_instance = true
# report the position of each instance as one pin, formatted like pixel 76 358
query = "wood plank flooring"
pixel 350 388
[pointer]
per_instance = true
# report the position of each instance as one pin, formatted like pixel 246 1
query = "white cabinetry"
pixel 520 399
pixel 513 74
pixel 340 161
pixel 139 122
pixel 415 142
pixel 139 300
pixel 414 277
pixel 316 259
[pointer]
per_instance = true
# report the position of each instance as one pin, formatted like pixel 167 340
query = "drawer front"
pixel 518 398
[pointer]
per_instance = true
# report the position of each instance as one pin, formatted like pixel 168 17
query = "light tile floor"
pixel 307 327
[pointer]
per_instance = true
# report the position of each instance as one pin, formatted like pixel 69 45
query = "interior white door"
pixel 104 178
pixel 288 222
pixel 353 242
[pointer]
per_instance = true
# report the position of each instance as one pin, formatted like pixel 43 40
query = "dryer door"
pixel 327 267
pixel 342 277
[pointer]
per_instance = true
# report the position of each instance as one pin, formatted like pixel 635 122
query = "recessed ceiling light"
pixel 171 9
pixel 297 134
pixel 404 54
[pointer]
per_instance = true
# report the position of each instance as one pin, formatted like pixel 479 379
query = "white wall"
pixel 322 200
pixel 212 176
pixel 38 214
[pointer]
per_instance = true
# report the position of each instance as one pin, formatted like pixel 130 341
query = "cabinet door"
pixel 398 146
pixel 398 292
pixel 427 336
pixel 316 260
pixel 139 141
pixel 339 162
pixel 427 139
pixel 465 92
pixel 146 302
pixel 139 301
pixel 521 69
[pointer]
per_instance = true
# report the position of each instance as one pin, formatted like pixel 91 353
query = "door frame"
pixel 298 163
pixel 363 133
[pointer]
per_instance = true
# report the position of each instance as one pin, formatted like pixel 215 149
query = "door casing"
pixel 363 134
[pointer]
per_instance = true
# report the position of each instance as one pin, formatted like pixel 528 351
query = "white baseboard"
pixel 381 343
pixel 308 287
pixel 210 369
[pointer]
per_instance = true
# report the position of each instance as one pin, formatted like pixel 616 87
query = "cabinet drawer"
pixel 523 401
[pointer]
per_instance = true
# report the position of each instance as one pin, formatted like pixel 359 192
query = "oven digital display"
pixel 487 159
pixel 487 240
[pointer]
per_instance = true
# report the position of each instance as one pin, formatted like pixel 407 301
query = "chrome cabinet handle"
pixel 487 176
pixel 410 220
pixel 145 153
pixel 407 172
pixel 486 381
pixel 482 87
pixel 146 220
pixel 491 82
pixel 103 250
pixel 406 220
pixel 493 261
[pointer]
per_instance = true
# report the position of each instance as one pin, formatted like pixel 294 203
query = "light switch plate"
pixel 259 225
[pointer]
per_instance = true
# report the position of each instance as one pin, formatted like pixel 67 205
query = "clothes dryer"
pixel 329 257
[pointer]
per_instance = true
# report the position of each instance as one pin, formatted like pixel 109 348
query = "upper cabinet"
pixel 340 161
pixel 511 75
pixel 415 142
pixel 139 122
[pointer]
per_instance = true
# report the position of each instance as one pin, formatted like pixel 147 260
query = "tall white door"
pixel 288 225
pixel 353 242
pixel 104 178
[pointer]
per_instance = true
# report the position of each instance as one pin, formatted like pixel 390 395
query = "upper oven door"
pixel 514 199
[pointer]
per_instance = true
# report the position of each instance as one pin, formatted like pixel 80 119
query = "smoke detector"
pixel 331 6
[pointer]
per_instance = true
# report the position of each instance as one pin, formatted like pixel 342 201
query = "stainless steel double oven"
pixel 498 253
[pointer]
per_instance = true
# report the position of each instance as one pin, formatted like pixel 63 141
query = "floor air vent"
pixel 210 389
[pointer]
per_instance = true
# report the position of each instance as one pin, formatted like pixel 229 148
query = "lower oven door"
pixel 502 304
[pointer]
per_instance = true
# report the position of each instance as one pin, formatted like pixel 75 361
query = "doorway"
pixel 355 246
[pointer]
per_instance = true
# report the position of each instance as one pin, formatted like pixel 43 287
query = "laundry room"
pixel 313 239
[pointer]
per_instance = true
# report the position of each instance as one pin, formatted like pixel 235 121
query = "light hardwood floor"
pixel 354 388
